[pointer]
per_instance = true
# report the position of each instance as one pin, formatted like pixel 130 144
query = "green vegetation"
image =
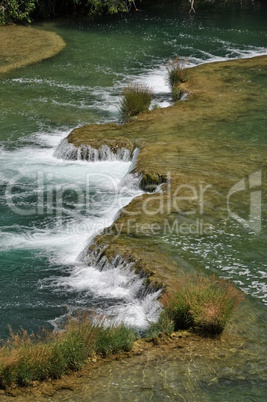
pixel 203 304
pixel 136 98
pixel 114 339
pixel 164 325
pixel 16 10
pixel 176 94
pixel 198 303
pixel 26 358
pixel 24 11
pixel 177 74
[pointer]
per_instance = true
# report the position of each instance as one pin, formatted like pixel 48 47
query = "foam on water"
pixel 66 150
pixel 127 301
pixel 107 99
pixel 38 186
pixel 73 199
pixel 226 254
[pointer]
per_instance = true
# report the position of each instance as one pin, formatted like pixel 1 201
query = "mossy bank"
pixel 22 46
pixel 190 148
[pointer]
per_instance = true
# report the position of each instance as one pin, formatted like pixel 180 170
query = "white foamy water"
pixel 227 254
pixel 55 203
pixel 66 151
pixel 55 209
pixel 106 100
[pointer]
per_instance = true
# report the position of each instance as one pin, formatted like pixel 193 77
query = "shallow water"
pixel 40 270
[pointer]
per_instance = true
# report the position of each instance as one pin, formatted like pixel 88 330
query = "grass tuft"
pixel 203 304
pixel 25 358
pixel 177 73
pixel 164 325
pixel 114 339
pixel 136 98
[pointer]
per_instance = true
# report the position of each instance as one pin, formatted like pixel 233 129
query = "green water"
pixel 38 269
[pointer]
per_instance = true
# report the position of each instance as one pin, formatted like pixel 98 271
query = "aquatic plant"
pixel 25 358
pixel 113 339
pixel 177 73
pixel 203 304
pixel 176 93
pixel 164 325
pixel 136 98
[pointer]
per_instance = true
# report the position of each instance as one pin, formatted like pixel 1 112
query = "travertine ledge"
pixel 190 148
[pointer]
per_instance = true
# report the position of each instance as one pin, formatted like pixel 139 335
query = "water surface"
pixel 40 269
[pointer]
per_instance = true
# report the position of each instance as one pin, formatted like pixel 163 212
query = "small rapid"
pixel 55 199
pixel 51 209
pixel 68 151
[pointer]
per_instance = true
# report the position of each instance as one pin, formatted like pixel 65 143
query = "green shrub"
pixel 25 10
pixel 203 304
pixel 136 98
pixel 16 10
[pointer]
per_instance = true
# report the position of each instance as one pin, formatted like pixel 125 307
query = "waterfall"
pixel 66 150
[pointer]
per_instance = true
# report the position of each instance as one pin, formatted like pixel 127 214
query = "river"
pixel 51 208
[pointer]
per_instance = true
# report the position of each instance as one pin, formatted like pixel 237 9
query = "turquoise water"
pixel 48 212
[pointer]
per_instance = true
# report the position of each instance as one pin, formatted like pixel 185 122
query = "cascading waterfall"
pixel 68 151
pixel 129 300
pixel 44 265
pixel 91 275
pixel 72 201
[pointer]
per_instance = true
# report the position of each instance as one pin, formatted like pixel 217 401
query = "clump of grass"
pixel 177 73
pixel 136 98
pixel 164 326
pixel 114 339
pixel 203 304
pixel 176 93
pixel 25 358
